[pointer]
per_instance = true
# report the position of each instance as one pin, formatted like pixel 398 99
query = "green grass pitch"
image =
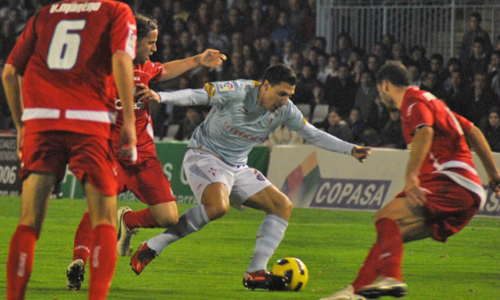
pixel 210 264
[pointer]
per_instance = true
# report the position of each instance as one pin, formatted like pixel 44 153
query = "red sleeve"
pixel 24 48
pixel 157 72
pixel 419 114
pixel 124 31
pixel 464 123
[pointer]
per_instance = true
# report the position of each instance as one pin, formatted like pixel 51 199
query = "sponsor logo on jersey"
pixel 259 176
pixel 350 193
pixel 242 134
pixel 225 87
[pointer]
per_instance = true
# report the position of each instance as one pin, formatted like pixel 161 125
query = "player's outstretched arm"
pixel 329 142
pixel 12 86
pixel 209 58
pixel 479 144
pixel 187 97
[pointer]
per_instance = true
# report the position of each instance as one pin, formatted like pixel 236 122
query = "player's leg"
pixel 103 256
pixel 81 252
pixel 400 221
pixel 34 199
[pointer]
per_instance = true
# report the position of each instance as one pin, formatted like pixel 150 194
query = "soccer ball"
pixel 294 270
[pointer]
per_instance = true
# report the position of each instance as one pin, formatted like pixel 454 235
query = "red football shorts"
pixel 449 207
pixel 89 158
pixel 146 180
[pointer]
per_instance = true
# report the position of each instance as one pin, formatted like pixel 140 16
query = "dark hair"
pixel 144 25
pixel 477 16
pixel 418 48
pixel 438 57
pixel 279 73
pixel 394 72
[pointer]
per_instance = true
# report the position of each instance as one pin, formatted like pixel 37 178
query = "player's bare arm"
pixel 479 144
pixel 209 58
pixel 12 86
pixel 420 145
pixel 124 74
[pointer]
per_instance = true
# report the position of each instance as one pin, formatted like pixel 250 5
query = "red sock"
pixel 142 218
pixel 20 261
pixel 369 272
pixel 102 261
pixel 391 248
pixel 83 239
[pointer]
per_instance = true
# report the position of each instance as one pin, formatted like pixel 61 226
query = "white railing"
pixel 438 25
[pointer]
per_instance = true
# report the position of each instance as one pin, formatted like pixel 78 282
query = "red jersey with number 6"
pixel 449 153
pixel 143 73
pixel 65 55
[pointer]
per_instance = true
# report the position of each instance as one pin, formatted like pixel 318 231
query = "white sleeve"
pixel 324 140
pixel 187 97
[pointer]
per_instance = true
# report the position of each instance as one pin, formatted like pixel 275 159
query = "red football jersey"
pixel 65 55
pixel 143 73
pixel 449 153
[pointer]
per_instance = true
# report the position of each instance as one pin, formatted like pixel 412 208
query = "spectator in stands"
pixel 479 60
pixel 387 41
pixel 284 31
pixel 379 115
pixel 344 47
pixel 417 56
pixel 373 63
pixel 365 94
pixel 297 13
pixel 475 31
pixel 271 14
pixel 398 53
pixel 356 124
pixel 297 62
pixel 354 57
pixel 236 69
pixel 337 126
pixel 491 130
pixel 251 70
pixel 216 38
pixel 415 74
pixel 257 28
pixel 357 71
pixel 381 53
pixel 265 50
pixel 288 50
pixel 306 80
pixel 340 91
pixel 391 135
pixel 191 120
pixel 456 97
pixel 319 42
pixel 179 11
pixel 234 22
pixel 430 84
pixel 493 68
pixel 237 42
pixel 203 16
pixel 248 52
pixel 480 100
pixel 437 66
pixel 322 70
pixel 333 66
pixel 454 64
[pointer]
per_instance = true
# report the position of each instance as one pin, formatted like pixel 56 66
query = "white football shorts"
pixel 242 182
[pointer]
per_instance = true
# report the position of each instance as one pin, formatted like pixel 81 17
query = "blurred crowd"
pixel 255 34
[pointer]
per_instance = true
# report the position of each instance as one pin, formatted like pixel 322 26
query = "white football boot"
pixel 124 234
pixel 345 294
pixel 387 286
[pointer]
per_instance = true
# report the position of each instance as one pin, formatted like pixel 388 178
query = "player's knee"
pixel 217 210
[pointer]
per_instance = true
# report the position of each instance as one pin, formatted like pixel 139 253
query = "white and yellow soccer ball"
pixel 294 270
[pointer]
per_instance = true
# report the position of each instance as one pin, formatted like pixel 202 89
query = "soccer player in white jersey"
pixel 243 114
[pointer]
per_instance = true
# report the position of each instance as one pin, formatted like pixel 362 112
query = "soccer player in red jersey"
pixel 442 192
pixel 145 177
pixel 63 110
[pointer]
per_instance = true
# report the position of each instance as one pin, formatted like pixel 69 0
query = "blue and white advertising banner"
pixel 316 178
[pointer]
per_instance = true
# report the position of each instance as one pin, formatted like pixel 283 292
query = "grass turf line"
pixel 210 264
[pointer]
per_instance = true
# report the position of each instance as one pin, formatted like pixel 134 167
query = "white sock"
pixel 269 236
pixel 191 221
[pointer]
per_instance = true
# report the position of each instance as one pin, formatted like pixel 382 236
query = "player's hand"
pixel 145 92
pixel 494 185
pixel 361 153
pixel 413 190
pixel 212 58
pixel 128 141
pixel 20 141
